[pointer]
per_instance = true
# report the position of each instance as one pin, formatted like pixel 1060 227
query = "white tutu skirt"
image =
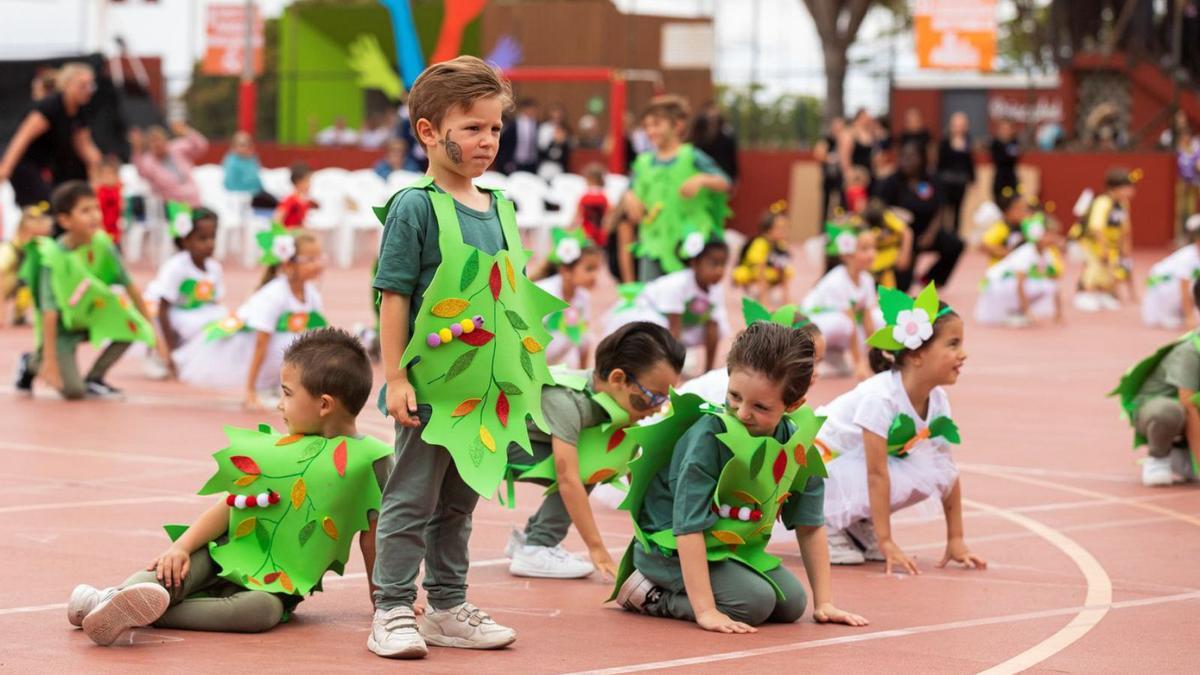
pixel 1162 307
pixel 998 300
pixel 188 323
pixel 225 363
pixel 839 329
pixel 925 472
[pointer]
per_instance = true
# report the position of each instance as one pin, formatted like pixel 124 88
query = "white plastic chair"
pixel 528 192
pixel 492 179
pixel 277 181
pixel 566 189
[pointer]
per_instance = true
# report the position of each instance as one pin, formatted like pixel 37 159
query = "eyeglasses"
pixel 656 400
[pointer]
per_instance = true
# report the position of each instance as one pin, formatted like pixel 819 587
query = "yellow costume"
pixel 1102 235
pixel 762 260
pixel 1001 235
pixel 888 239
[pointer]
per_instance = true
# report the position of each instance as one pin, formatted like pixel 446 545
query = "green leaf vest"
pixel 477 352
pixel 669 216
pixel 750 490
pixel 297 502
pixel 1130 386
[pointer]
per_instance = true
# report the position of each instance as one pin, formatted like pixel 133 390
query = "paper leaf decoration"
pixel 306 532
pixel 299 491
pixel 470 271
pixel 466 407
pixel 502 408
pixel 485 437
pixel 516 320
pixel 729 538
pixel 494 281
pixel 600 476
pixel 339 459
pixel 245 527
pixel 477 338
pixel 245 464
pixel 286 582
pixel 246 480
pixel 288 440
pixel 510 274
pixel 450 308
pixel 329 527
pixel 616 439
pixel 314 448
pixel 532 346
pixel 780 466
pixel 461 364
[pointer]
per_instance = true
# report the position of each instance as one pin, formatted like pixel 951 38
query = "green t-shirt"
pixel 409 254
pixel 1179 369
pixel 704 164
pixel 45 301
pixel 568 412
pixel 680 497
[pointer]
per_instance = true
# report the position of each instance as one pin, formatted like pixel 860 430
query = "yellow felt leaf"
pixel 299 490
pixel 486 437
pixel 600 476
pixel 254 581
pixel 450 308
pixel 465 407
pixel 286 582
pixel 745 497
pixel 330 528
pixel 508 271
pixel 288 440
pixel 728 538
pixel 246 480
pixel 245 527
pixel 532 346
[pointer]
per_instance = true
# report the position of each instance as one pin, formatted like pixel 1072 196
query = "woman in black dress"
pixel 912 189
pixel 53 143
pixel 1006 152
pixel 955 168
pixel 826 152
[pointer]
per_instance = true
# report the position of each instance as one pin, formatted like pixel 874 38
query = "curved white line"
pixel 1095 605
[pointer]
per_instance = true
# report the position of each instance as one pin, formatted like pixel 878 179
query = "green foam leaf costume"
pixel 1131 382
pixel 326 488
pixel 755 483
pixel 903 434
pixel 788 315
pixel 669 216
pixel 484 378
pixel 605 450
pixel 81 281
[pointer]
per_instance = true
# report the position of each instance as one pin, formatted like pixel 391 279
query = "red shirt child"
pixel 593 206
pixel 108 193
pixel 293 210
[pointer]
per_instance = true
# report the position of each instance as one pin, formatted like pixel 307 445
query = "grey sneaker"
pixel 84 599
pixel 516 539
pixel 465 627
pixel 637 592
pixel 862 532
pixel 394 635
pixel 843 550
pixel 131 607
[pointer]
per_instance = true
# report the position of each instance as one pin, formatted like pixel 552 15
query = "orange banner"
pixel 955 34
pixel 225 43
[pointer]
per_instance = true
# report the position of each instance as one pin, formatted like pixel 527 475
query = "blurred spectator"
pixel 394 160
pixel 519 140
pixel 858 145
pixel 1006 152
pixel 1102 129
pixel 912 189
pixel 416 160
pixel 293 210
pixel 555 143
pixel 589 133
pixel 915 131
pixel 378 130
pixel 54 142
pixel 337 135
pixel 43 84
pixel 167 164
pixel 108 193
pixel 242 172
pixel 832 180
pixel 955 168
pixel 714 136
pixel 1187 158
pixel 593 205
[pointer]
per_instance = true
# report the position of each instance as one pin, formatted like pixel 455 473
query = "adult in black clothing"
pixel 714 136
pixel 912 189
pixel 858 144
pixel 53 143
pixel 519 140
pixel 1006 152
pixel 832 181
pixel 955 168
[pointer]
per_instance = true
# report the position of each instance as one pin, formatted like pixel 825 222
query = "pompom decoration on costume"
pixel 465 329
pixel 262 499
pixel 567 245
pixel 908 322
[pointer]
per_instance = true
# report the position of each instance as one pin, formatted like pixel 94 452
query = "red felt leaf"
pixel 477 338
pixel 270 578
pixel 494 281
pixel 780 466
pixel 616 439
pixel 502 408
pixel 339 458
pixel 132 326
pixel 245 464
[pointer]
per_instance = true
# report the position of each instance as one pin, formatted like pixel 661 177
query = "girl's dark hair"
pixel 198 214
pixel 881 361
pixel 709 247
pixel 636 347
pixel 784 355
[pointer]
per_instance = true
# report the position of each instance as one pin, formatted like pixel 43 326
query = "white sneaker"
pixel 637 592
pixel 84 599
pixel 545 562
pixel 466 627
pixel 1181 465
pixel 1156 471
pixel 154 368
pixel 516 539
pixel 1086 302
pixel 862 532
pixel 842 550
pixel 394 635
pixel 131 607
pixel 1109 302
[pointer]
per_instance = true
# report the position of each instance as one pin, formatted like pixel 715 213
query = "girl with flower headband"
pixel 1168 299
pixel 1023 286
pixel 842 304
pixel 246 349
pixel 35 222
pixel 575 262
pixel 765 263
pixel 190 285
pixel 690 302
pixel 889 437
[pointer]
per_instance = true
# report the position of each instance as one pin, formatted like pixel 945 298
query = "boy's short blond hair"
pixel 668 106
pixel 458 82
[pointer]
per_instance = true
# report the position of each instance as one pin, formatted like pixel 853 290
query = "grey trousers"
pixel 426 515
pixel 223 607
pixel 741 594
pixel 1161 421
pixel 65 344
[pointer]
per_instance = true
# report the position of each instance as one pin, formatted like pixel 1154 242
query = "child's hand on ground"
pixel 51 376
pixel 956 550
pixel 604 563
pixel 691 187
pixel 172 566
pixel 827 613
pixel 716 621
pixel 894 557
pixel 402 403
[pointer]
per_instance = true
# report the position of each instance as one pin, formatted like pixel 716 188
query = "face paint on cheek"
pixel 638 403
pixel 453 150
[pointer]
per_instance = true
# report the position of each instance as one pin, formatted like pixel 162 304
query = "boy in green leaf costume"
pixel 676 189
pixel 589 413
pixel 72 279
pixel 291 507
pixel 710 483
pixel 462 335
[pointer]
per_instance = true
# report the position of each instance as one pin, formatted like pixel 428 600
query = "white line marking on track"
pixel 136 457
pixel 100 502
